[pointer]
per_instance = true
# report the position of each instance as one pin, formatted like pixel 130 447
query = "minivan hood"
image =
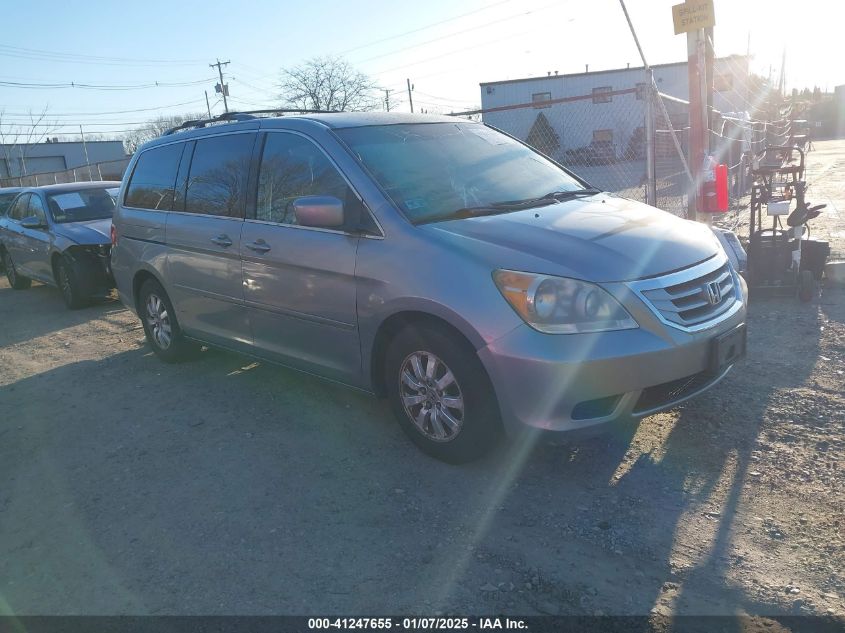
pixel 90 232
pixel 601 238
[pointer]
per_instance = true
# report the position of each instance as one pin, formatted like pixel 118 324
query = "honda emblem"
pixel 713 292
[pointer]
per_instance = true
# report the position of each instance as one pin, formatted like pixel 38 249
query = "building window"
pixel 723 82
pixel 602 94
pixel 641 91
pixel 539 97
pixel 602 136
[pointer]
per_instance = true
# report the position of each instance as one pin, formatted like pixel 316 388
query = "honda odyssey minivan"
pixel 479 286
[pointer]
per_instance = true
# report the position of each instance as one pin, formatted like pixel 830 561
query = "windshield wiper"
pixel 494 208
pixel 573 193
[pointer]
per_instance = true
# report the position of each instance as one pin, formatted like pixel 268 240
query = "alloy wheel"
pixel 11 275
pixel 158 321
pixel 431 396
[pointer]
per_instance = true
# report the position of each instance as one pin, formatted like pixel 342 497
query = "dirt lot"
pixel 221 486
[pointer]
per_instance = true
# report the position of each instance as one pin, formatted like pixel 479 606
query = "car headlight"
pixel 558 305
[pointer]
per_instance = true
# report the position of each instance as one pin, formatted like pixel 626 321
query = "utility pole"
pixel 85 147
pixel 387 99
pixel 206 104
pixel 224 89
pixel 410 98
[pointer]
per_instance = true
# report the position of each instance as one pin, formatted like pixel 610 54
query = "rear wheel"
pixel 16 280
pixel 70 285
pixel 441 395
pixel 160 325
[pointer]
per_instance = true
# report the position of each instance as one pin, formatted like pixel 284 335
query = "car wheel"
pixel 70 285
pixel 807 287
pixel 160 325
pixel 441 394
pixel 16 280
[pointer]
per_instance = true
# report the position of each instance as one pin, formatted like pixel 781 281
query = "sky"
pixel 136 61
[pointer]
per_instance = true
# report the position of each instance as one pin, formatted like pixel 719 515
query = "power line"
pixel 423 28
pixel 86 86
pixel 456 33
pixel 161 107
pixel 80 58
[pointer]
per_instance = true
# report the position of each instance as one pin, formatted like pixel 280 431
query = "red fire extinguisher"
pixel 714 186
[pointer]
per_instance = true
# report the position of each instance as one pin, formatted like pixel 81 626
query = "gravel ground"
pixel 225 486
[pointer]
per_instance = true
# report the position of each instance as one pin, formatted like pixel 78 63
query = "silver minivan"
pixel 479 286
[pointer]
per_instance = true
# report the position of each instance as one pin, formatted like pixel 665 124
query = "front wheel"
pixel 16 280
pixel 160 325
pixel 441 395
pixel 70 284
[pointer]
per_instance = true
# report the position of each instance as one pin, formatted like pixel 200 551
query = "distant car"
pixel 60 235
pixel 596 153
pixel 7 197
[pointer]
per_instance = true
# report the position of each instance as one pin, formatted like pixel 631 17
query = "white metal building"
pixel 38 158
pixel 606 106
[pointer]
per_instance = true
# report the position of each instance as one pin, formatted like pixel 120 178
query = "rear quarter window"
pixel 154 178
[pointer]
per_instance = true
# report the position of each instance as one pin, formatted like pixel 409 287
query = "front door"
pixel 203 237
pixel 35 255
pixel 299 282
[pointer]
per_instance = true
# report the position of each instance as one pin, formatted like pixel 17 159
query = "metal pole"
pixel 695 70
pixel 219 66
pixel 206 104
pixel 85 147
pixel 410 98
pixel 387 100
pixel 650 159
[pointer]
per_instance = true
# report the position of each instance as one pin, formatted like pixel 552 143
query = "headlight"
pixel 557 305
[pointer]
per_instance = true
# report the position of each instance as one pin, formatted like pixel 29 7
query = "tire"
pixel 160 325
pixel 67 279
pixel 452 418
pixel 16 280
pixel 806 286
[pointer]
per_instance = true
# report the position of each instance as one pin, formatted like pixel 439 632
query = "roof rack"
pixel 245 115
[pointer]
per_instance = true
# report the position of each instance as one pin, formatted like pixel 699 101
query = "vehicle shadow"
pixel 226 486
pixel 46 312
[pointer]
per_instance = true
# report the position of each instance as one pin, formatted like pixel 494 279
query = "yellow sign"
pixel 692 15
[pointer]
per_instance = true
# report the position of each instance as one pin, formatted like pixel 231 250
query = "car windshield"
pixel 6 200
pixel 440 171
pixel 81 205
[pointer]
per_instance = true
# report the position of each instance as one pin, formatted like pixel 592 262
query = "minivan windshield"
pixel 445 171
pixel 82 205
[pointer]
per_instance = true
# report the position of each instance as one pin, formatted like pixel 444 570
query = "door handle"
pixel 222 240
pixel 259 246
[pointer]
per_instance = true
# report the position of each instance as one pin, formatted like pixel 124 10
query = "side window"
pixel 151 186
pixel 19 209
pixel 218 177
pixel 36 208
pixel 292 166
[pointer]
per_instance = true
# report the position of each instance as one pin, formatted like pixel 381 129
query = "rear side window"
pixel 18 210
pixel 292 166
pixel 6 200
pixel 218 177
pixel 151 186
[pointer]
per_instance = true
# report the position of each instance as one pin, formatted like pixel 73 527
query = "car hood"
pixel 601 238
pixel 90 232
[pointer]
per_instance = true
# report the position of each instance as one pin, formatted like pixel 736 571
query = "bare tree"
pixel 17 140
pixel 155 128
pixel 327 83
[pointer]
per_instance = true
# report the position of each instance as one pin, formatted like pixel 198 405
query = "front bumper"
pixel 572 382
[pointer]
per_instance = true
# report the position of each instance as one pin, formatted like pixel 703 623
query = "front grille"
pixel 668 392
pixel 695 301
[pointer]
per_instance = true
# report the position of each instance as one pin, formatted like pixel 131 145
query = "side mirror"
pixel 319 211
pixel 32 222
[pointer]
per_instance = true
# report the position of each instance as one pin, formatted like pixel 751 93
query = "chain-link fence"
pixel 600 136
pixel 109 170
